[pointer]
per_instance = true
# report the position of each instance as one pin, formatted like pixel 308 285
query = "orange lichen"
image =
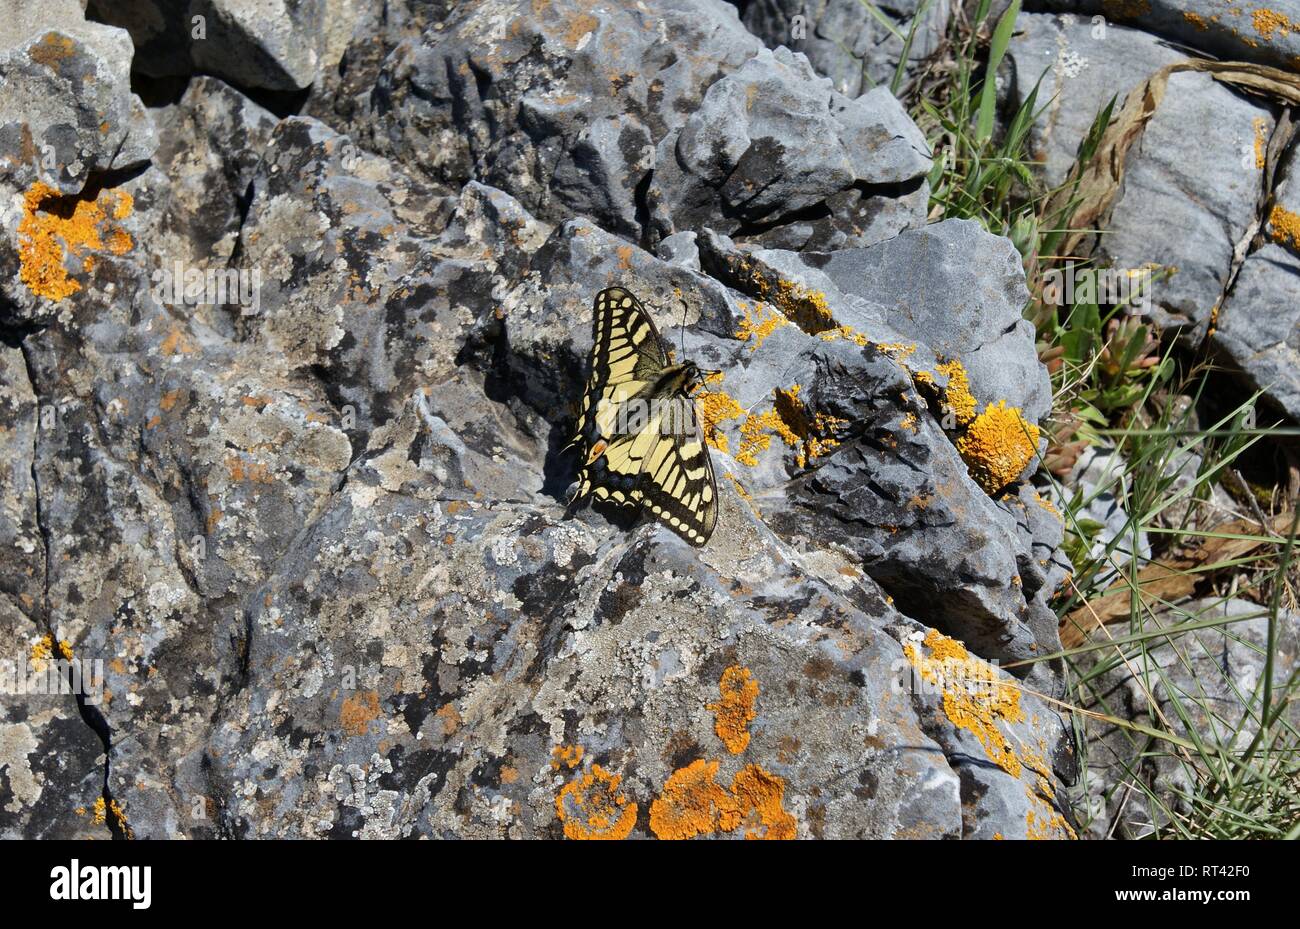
pixel 957 394
pixel 43 650
pixel 1269 23
pixel 693 803
pixel 55 228
pixel 807 309
pixel 176 342
pixel 736 709
pixel 52 49
pixel 358 712
pixel 1284 226
pixel 1047 505
pixel 592 807
pixel 449 716
pixel 999 444
pixel 758 323
pixel 817 433
pixel 569 756
pixel 1196 20
pixel 759 798
pixel 1261 140
pixel 716 407
pixel 113 810
pixel 974 698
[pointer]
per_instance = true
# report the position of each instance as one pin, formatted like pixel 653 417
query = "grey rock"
pixel 771 141
pixel 283 47
pixel 68 111
pixel 1267 35
pixel 1203 683
pixel 1211 198
pixel 50 764
pixel 933 293
pixel 209 145
pixel 844 41
pixel 601 114
pixel 1258 328
pixel 318 538
pixel 1077 69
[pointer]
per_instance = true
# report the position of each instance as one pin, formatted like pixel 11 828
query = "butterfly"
pixel 639 433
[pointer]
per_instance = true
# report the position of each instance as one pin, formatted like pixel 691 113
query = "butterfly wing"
pixel 678 484
pixel 662 465
pixel 626 358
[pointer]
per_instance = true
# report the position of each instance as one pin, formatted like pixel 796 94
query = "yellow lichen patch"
pixel 716 407
pixel 113 810
pixel 974 698
pixel 1285 226
pixel 1047 505
pixel 44 648
pixel 740 488
pixel 41 651
pixel 759 799
pixel 899 351
pixel 1269 23
pixel 55 227
pixel 758 323
pixel 568 756
pixel 736 709
pixel 807 309
pixel 592 807
pixel 693 803
pixel 844 332
pixel 957 394
pixel 1196 20
pixel 909 422
pixel 1261 140
pixel 998 446
pixel 816 432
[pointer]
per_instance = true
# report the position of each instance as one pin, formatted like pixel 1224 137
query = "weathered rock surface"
pixel 1077 69
pixel 1269 35
pixel 1225 276
pixel 280 47
pixel 318 536
pixel 1258 329
pixel 67 111
pixel 617 114
pixel 1203 683
pixel 844 40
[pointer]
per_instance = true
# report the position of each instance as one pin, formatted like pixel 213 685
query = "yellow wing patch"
pixel 662 464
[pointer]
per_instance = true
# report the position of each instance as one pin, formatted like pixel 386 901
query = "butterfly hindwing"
pixel 667 469
pixel 678 486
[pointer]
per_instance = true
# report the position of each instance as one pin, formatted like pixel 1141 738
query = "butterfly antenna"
pixel 682 356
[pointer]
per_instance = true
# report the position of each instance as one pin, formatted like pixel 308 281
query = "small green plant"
pixel 1211 755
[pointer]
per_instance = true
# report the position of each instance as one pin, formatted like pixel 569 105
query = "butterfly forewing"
pixel 661 462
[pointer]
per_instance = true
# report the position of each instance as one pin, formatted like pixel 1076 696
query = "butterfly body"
pixel 639 434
